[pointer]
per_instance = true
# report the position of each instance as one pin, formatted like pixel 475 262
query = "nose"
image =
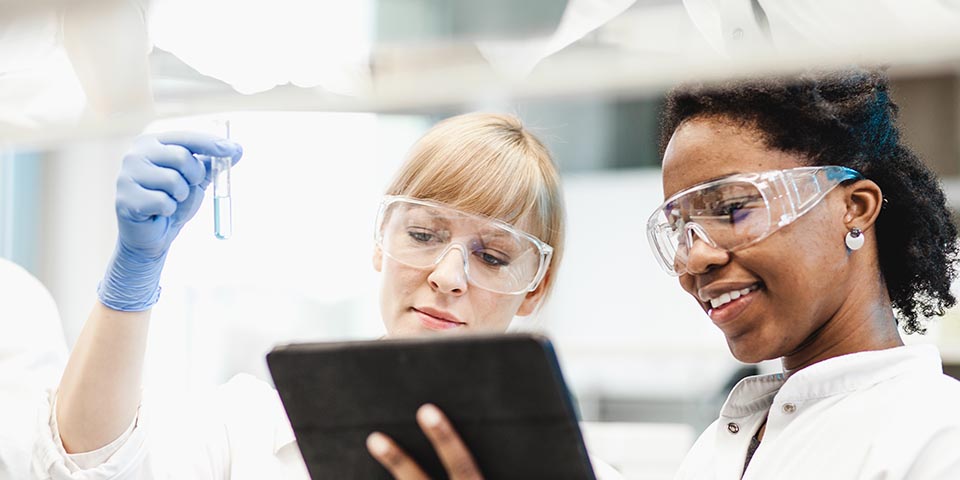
pixel 702 254
pixel 449 274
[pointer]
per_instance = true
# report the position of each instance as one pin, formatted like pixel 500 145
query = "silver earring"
pixel 854 239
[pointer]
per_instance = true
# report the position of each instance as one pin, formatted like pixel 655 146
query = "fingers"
pixel 162 171
pixel 145 190
pixel 453 453
pixel 188 207
pixel 139 204
pixel 203 144
pixel 143 172
pixel 169 156
pixel 393 458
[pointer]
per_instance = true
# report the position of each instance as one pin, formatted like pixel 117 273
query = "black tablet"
pixel 504 394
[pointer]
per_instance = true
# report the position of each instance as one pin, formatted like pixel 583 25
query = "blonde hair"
pixel 489 164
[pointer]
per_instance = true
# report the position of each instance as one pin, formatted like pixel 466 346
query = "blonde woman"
pixel 458 247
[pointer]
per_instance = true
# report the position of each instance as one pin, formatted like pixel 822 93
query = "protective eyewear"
pixel 737 211
pixel 496 256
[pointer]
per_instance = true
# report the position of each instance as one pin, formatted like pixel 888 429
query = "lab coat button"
pixel 733 428
pixel 737 34
pixel 789 408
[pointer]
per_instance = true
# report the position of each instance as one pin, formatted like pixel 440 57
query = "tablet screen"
pixel 504 394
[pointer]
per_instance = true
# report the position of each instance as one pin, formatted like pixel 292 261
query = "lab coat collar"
pixel 857 371
pixel 752 395
pixel 833 376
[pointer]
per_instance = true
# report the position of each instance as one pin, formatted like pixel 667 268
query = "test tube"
pixel 222 209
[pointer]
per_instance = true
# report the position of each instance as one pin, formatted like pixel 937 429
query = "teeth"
pixel 730 296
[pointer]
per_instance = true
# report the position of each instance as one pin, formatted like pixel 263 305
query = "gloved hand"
pixel 159 188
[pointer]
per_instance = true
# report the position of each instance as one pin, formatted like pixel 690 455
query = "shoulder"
pixel 32 329
pixel 27 300
pixel 932 395
pixel 246 395
pixel 907 414
pixel 247 384
pixel 254 417
pixel 914 424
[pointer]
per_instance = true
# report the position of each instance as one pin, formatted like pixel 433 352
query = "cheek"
pixel 820 254
pixel 687 284
pixel 400 279
pixel 796 270
pixel 493 310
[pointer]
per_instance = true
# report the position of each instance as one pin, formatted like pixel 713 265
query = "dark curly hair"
pixel 847 118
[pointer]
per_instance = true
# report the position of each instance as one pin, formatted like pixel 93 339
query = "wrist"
pixel 132 281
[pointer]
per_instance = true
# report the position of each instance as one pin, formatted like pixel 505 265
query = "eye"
pixel 492 258
pixel 420 235
pixel 731 209
pixel 737 210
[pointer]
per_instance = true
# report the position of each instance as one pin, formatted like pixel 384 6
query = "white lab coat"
pixel 882 415
pixel 32 355
pixel 238 432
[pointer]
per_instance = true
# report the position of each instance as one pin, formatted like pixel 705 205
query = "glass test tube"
pixel 222 210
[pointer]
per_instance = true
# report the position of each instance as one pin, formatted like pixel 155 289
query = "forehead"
pixel 449 215
pixel 703 149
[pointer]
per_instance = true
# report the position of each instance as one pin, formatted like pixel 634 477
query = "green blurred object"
pixel 412 21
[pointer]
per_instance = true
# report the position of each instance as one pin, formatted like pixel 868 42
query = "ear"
pixel 864 200
pixel 377 259
pixel 532 299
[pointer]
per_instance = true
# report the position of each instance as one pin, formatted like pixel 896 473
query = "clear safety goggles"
pixel 496 256
pixel 737 211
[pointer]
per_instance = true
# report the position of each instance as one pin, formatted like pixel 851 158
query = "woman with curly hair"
pixel 807 231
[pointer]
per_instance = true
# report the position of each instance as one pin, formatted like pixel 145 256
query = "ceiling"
pixel 420 55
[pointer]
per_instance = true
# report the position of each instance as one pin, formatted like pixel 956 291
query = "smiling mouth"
pixel 727 297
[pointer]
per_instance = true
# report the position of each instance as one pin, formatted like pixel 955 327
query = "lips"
pixel 724 298
pixel 437 319
pixel 725 304
pixel 714 292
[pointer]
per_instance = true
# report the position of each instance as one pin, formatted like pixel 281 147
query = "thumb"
pixel 188 208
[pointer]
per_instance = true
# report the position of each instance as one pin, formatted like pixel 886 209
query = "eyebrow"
pixel 496 233
pixel 427 210
pixel 713 179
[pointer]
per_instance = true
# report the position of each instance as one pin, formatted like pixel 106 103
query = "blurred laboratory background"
pixel 326 97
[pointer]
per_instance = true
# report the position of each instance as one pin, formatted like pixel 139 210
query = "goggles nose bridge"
pixel 463 255
pixel 693 228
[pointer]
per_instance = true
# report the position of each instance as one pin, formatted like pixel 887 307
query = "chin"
pixel 747 353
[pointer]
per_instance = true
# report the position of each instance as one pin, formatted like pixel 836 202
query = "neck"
pixel 848 331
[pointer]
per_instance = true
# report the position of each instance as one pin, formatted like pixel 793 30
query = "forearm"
pixel 159 188
pixel 100 390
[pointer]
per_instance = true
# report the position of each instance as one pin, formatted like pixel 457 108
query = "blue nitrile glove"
pixel 159 188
